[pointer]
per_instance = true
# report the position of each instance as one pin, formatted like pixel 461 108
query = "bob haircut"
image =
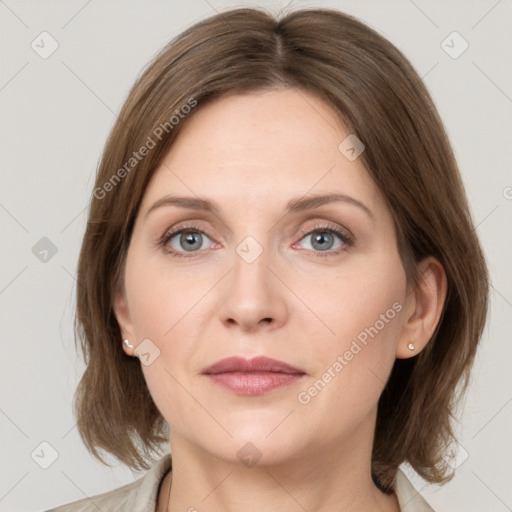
pixel 377 95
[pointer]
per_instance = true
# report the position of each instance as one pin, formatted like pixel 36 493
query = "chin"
pixel 264 444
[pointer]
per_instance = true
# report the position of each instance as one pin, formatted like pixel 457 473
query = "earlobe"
pixel 425 308
pixel 122 313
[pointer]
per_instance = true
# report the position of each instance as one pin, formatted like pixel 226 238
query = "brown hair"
pixel 379 97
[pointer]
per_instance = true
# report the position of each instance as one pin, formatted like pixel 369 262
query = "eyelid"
pixel 175 230
pixel 346 237
pixel 344 234
pixel 328 225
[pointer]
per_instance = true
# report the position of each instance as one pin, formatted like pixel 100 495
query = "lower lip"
pixel 254 383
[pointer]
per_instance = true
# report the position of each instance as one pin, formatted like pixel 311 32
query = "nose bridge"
pixel 253 252
pixel 250 275
pixel 251 292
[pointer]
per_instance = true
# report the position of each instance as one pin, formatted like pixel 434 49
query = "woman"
pixel 274 277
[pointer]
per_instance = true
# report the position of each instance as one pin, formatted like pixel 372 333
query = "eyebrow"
pixel 293 206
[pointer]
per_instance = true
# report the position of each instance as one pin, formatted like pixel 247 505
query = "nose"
pixel 255 298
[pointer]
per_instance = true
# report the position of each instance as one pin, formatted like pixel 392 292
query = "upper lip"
pixel 259 364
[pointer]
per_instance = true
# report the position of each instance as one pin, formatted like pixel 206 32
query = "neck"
pixel 335 476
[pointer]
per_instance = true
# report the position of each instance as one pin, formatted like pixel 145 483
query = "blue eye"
pixel 191 239
pixel 322 243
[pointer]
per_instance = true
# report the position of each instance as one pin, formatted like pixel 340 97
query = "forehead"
pixel 251 148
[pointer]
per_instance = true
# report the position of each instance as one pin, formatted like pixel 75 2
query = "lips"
pixel 257 365
pixel 254 376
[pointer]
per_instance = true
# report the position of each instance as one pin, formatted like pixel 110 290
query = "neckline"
pixel 405 491
pixel 168 475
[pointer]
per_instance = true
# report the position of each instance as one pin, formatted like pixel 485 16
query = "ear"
pixel 423 308
pixel 122 312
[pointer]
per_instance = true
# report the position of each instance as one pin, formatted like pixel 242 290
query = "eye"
pixel 323 238
pixel 188 239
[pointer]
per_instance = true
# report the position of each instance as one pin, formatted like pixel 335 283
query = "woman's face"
pixel 264 275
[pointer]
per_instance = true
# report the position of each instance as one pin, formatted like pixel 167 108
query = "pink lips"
pixel 254 376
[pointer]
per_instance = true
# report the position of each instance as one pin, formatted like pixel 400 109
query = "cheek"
pixel 164 308
pixel 362 309
pixel 162 301
pixel 369 308
pixel 357 300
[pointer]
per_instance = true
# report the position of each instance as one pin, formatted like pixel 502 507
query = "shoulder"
pixel 138 496
pixel 117 499
pixel 409 499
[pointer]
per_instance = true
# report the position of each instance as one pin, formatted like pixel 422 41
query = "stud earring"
pixel 411 346
pixel 127 343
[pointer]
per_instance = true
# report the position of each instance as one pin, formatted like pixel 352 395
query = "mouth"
pixel 254 376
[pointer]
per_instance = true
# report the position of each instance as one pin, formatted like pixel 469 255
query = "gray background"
pixel 55 116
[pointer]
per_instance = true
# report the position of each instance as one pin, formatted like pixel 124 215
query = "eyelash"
pixel 344 237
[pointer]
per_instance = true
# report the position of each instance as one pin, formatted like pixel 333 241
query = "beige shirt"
pixel 142 494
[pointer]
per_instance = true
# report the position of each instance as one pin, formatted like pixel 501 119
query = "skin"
pixel 251 154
